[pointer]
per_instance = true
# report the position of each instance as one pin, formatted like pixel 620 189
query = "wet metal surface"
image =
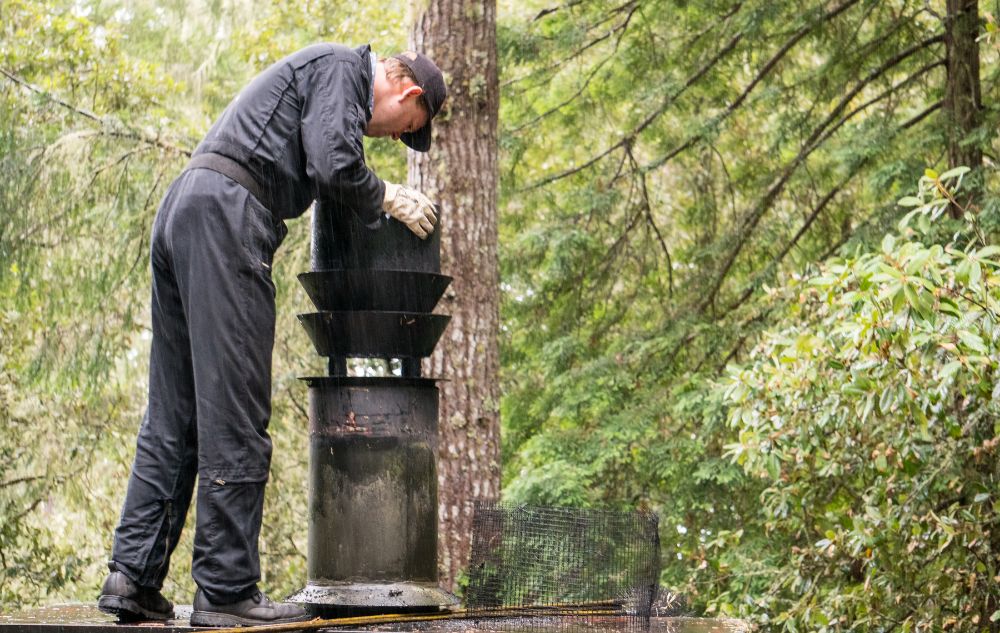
pixel 85 618
pixel 373 494
pixel 347 599
pixel 567 625
pixel 373 443
pixel 372 510
pixel 341 240
pixel 374 334
pixel 355 406
pixel 369 289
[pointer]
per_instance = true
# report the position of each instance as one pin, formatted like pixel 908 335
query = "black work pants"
pixel 209 389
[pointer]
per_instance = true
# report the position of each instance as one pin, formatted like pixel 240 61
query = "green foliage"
pixel 78 191
pixel 33 561
pixel 870 413
pixel 100 102
pixel 669 170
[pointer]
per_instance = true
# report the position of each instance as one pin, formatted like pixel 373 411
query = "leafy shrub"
pixel 871 414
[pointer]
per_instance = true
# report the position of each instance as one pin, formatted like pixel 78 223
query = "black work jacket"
pixel 298 128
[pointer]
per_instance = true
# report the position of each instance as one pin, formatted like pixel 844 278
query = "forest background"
pixel 742 283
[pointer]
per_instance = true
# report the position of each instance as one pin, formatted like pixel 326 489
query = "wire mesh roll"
pixel 537 566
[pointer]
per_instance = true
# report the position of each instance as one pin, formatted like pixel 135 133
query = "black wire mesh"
pixel 539 567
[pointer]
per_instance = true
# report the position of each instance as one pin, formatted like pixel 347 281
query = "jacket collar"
pixel 368 74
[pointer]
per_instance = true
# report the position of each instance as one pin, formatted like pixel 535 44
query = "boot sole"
pixel 127 610
pixel 215 619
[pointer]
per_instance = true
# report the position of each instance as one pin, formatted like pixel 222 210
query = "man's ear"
pixel 411 91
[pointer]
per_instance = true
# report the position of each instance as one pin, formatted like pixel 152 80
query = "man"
pixel 294 134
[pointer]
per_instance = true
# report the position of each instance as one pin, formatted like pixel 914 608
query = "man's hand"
pixel 410 207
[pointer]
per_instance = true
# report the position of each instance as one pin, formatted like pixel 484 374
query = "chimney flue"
pixel 373 439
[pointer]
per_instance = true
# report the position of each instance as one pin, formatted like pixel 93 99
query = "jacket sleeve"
pixel 333 122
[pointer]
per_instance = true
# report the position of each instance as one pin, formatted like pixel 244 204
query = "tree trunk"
pixel 963 100
pixel 460 175
pixel 962 107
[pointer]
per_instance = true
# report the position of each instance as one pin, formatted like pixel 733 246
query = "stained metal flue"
pixel 373 440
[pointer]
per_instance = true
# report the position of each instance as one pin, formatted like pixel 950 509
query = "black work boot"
pixel 257 609
pixel 130 602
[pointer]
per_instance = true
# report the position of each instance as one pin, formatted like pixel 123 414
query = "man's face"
pixel 398 111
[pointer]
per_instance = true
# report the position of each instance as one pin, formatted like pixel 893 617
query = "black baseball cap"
pixel 428 76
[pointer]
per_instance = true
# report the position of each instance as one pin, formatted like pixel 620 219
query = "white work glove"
pixel 410 207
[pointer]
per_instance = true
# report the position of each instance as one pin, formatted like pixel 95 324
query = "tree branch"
pixel 887 93
pixel 109 126
pixel 926 112
pixel 550 10
pixel 728 48
pixel 644 191
pixel 818 209
pixel 765 70
pixel 51 97
pixel 813 215
pixel 923 114
pixel 20 480
pixel 630 4
pixel 811 144
pixel 586 82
